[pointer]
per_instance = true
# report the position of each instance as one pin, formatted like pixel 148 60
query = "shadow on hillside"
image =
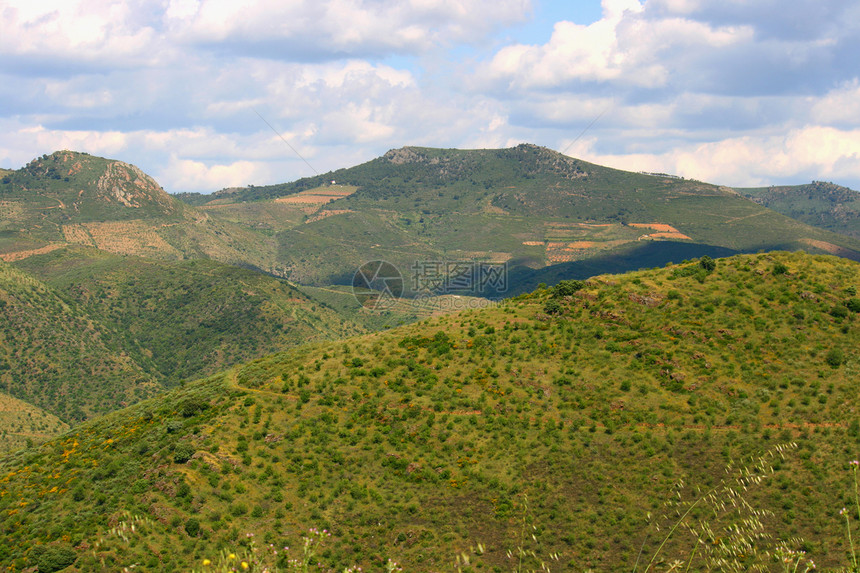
pixel 648 255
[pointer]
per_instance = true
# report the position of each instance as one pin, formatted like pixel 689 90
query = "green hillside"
pixel 526 206
pixel 68 186
pixel 75 198
pixel 22 424
pixel 579 421
pixel 55 356
pixel 186 319
pixel 821 204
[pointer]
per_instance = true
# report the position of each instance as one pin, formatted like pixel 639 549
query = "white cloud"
pixel 625 48
pixel 340 27
pixel 94 142
pixel 196 175
pixel 103 32
pixel 728 91
pixel 824 153
pixel 839 107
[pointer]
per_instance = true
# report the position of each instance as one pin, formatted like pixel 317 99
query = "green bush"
pixel 834 358
pixel 567 288
pixel 707 263
pixel 552 307
pixel 183 452
pixel 192 406
pixel 192 527
pixel 52 558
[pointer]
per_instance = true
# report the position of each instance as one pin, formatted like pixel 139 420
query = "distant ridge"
pixel 819 203
pixel 527 207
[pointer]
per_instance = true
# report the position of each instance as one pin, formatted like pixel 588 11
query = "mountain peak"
pixel 77 185
pixel 526 158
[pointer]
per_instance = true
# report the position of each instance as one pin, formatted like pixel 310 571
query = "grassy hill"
pixel 527 206
pixel 186 319
pixel 84 332
pixel 75 198
pixel 821 204
pixel 579 421
pixel 22 424
pixel 55 356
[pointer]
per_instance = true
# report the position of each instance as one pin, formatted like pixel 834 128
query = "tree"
pixel 567 288
pixel 552 307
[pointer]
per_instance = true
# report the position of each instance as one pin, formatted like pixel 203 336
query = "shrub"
pixel 192 406
pixel 183 452
pixel 173 426
pixel 707 263
pixel 839 311
pixel 567 288
pixel 834 358
pixel 552 307
pixel 52 558
pixel 192 527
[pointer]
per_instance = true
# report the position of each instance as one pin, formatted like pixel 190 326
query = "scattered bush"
pixel 183 452
pixel 192 527
pixel 835 358
pixel 552 307
pixel 52 557
pixel 567 288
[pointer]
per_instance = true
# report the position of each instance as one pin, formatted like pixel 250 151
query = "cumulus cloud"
pixel 191 174
pixel 733 91
pixel 337 28
pixel 801 154
pixel 103 34
pixel 94 34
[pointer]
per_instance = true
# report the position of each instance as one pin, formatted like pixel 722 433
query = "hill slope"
pixel 186 319
pixel 53 355
pixel 23 424
pixel 580 411
pixel 525 206
pixel 821 204
pixel 70 197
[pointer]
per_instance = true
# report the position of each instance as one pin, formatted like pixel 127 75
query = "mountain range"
pixel 527 208
pixel 188 376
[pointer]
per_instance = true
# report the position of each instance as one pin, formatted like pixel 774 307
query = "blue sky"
pixel 732 92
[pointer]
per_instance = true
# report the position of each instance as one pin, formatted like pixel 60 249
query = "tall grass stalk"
pixel 735 539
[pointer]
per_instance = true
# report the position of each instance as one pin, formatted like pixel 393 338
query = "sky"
pixel 208 94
